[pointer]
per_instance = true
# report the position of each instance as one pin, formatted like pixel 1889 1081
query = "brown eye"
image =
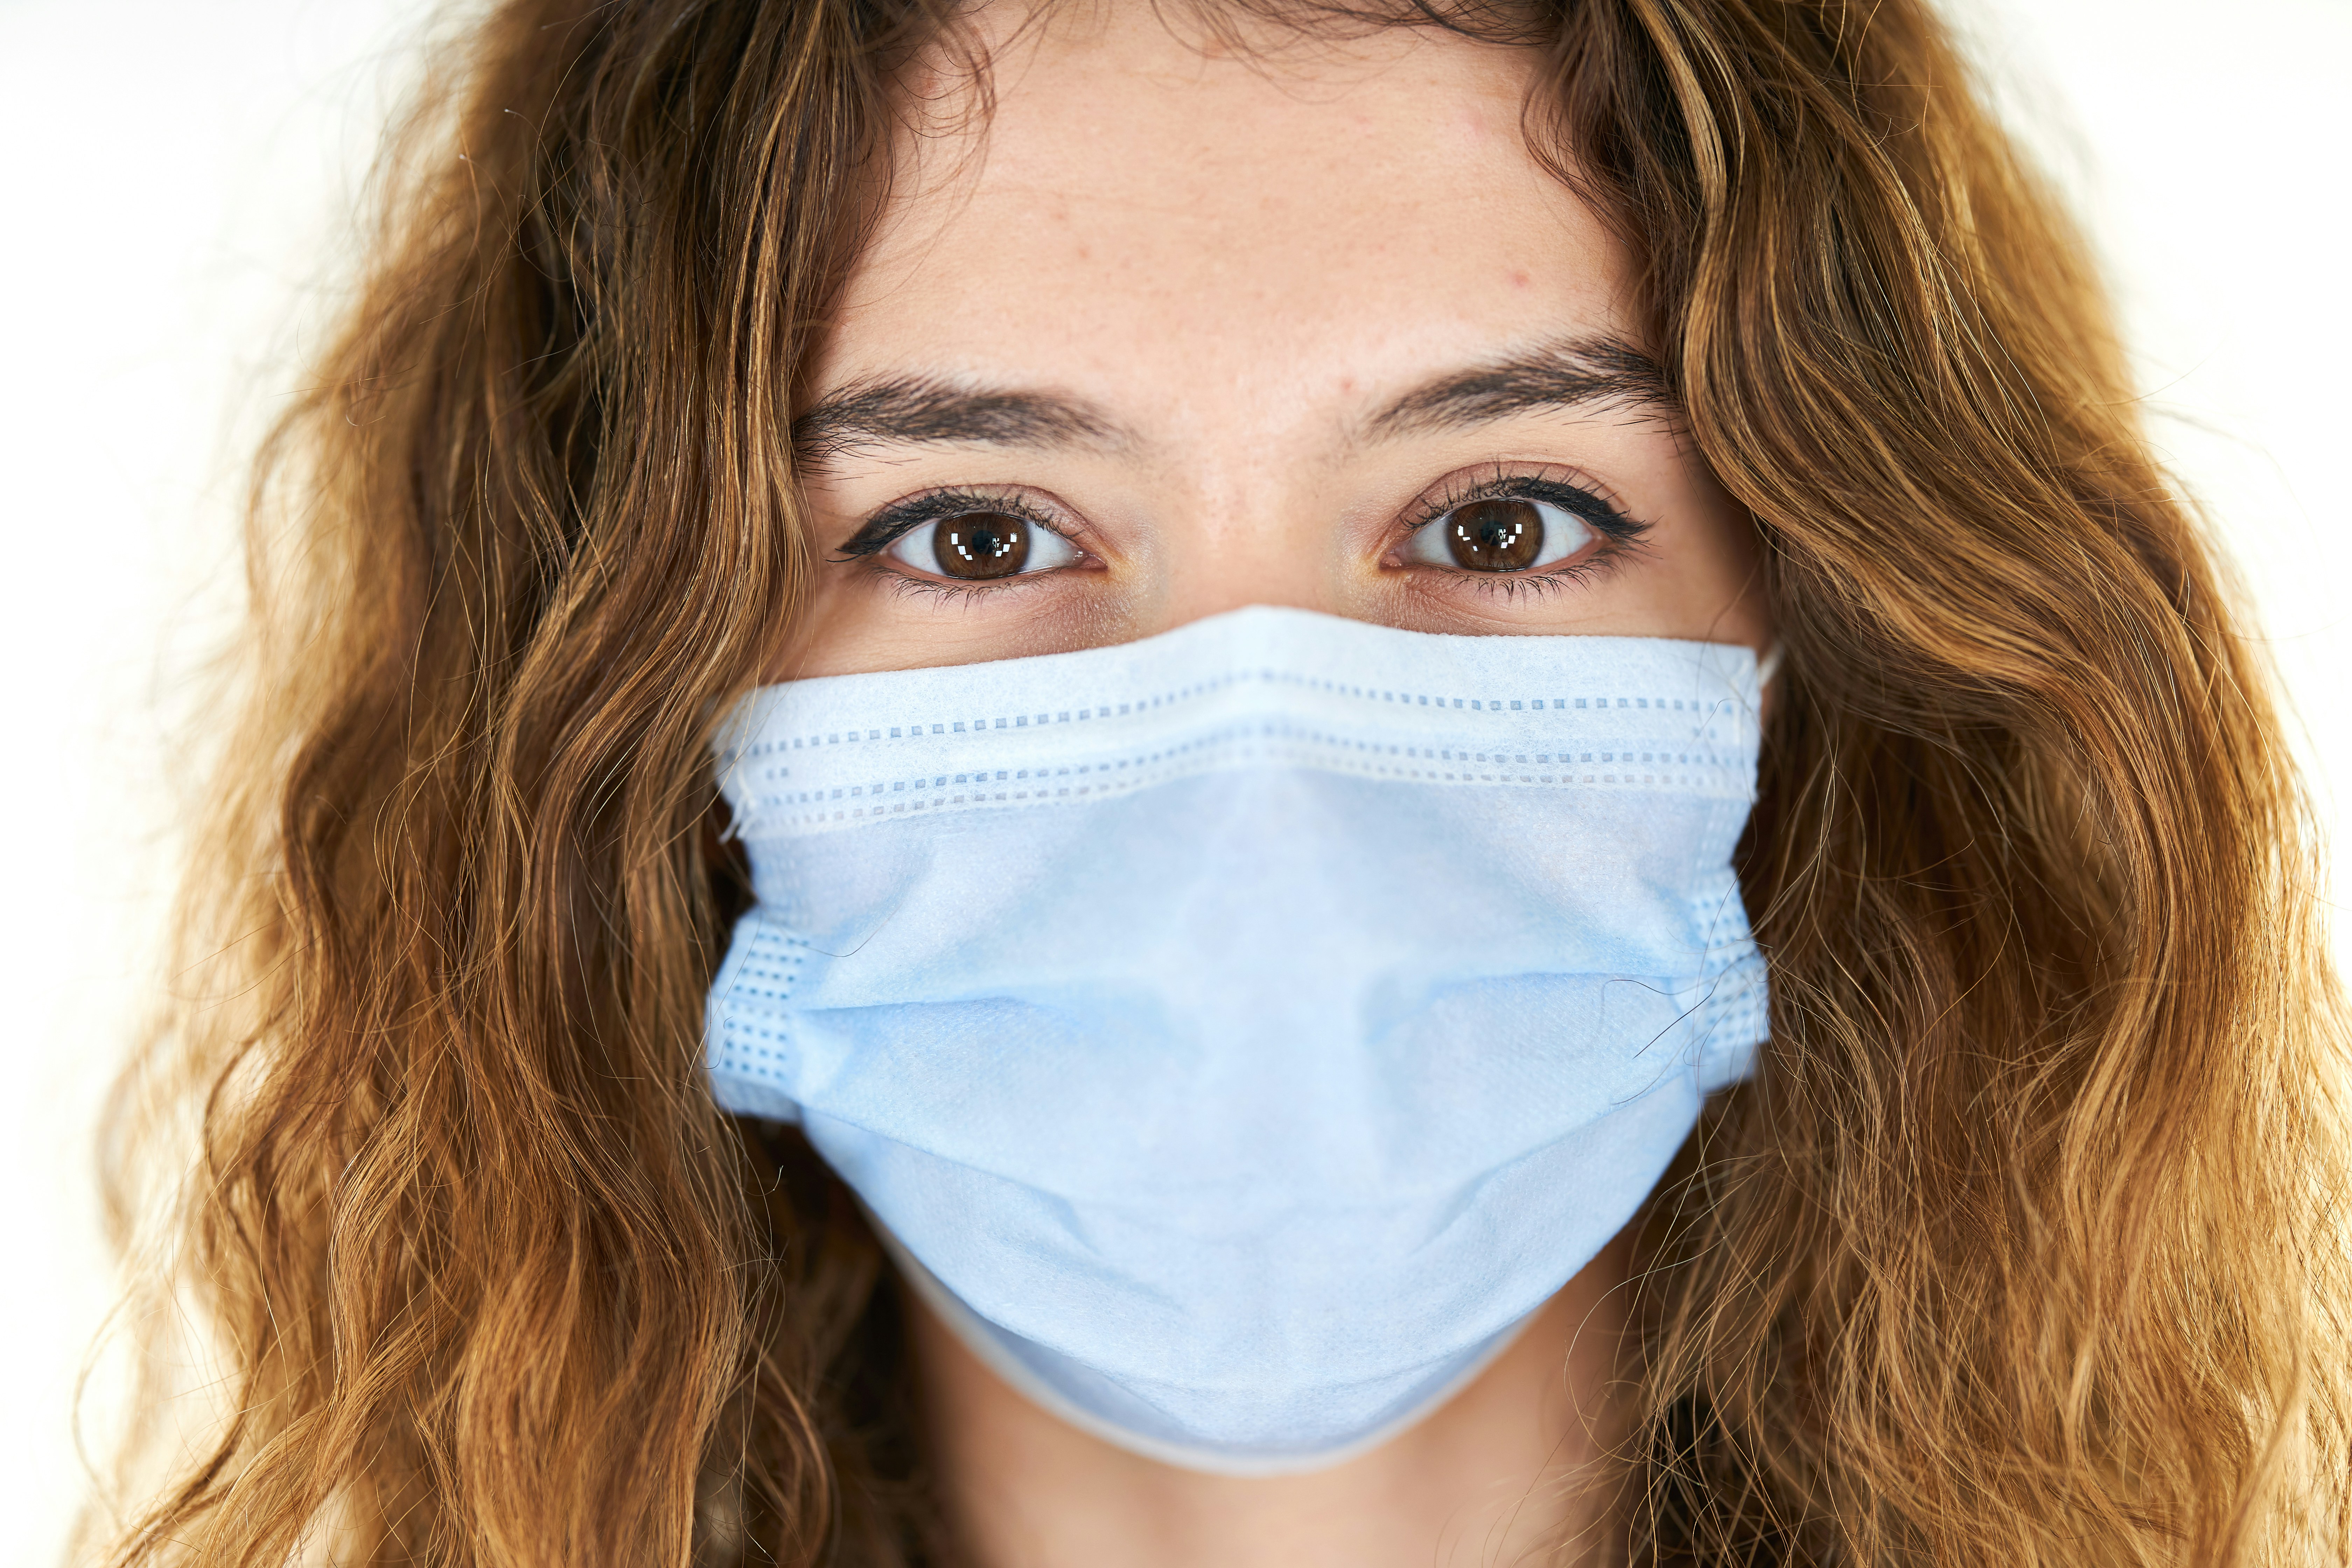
pixel 983 546
pixel 979 545
pixel 1495 535
pixel 1501 533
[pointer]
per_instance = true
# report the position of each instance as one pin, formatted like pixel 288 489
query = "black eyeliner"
pixel 1583 503
pixel 894 522
pixel 1576 500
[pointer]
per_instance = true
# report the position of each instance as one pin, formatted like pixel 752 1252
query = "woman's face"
pixel 1166 331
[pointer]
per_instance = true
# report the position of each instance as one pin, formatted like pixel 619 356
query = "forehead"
pixel 1149 220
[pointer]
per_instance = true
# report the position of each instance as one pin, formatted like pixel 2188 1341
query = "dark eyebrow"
pixel 925 410
pixel 1597 373
pixel 921 410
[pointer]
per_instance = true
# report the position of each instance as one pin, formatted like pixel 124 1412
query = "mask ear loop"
pixel 1769 666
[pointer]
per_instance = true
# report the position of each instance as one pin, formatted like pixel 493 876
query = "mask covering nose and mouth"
pixel 1239 1034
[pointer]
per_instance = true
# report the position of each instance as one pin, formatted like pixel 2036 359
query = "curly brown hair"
pixel 2021 1249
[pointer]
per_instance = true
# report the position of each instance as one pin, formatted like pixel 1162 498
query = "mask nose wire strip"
pixel 981 1339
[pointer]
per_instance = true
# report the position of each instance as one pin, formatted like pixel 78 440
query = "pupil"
pixel 979 545
pixel 1501 535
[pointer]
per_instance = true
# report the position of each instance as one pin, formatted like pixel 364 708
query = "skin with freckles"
pixel 1168 332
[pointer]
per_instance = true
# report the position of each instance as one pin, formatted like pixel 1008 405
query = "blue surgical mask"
pixel 1239 1034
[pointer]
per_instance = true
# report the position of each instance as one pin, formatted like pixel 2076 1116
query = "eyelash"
pixel 1619 532
pixel 895 522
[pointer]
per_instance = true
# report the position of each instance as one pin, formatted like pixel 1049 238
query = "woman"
pixel 1205 1010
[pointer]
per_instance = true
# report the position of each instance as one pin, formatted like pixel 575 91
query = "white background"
pixel 173 180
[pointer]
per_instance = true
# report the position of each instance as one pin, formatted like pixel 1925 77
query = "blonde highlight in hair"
pixel 2022 1249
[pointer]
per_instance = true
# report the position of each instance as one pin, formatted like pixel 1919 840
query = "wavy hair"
pixel 2022 1249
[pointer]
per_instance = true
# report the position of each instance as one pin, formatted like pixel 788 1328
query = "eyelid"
pixel 894 520
pixel 1581 495
pixel 1618 535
